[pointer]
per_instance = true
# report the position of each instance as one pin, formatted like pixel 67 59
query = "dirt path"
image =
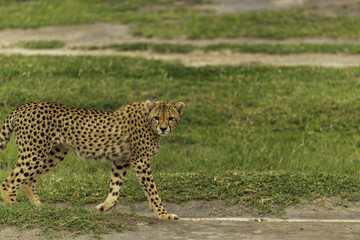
pixel 101 34
pixel 236 231
pixel 199 58
pixel 144 230
pixel 143 224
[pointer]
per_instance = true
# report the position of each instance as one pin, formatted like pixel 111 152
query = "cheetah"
pixel 129 136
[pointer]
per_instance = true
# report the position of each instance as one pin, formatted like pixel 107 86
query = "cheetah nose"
pixel 163 129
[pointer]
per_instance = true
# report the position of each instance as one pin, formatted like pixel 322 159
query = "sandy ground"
pixel 104 34
pixel 100 34
pixel 211 230
pixel 141 224
pixel 199 58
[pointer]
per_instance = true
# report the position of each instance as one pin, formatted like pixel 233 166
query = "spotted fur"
pixel 128 137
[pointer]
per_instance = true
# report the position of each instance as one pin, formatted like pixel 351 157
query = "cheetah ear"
pixel 149 105
pixel 180 107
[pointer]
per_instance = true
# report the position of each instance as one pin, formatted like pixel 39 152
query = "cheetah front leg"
pixel 118 173
pixel 30 190
pixel 146 180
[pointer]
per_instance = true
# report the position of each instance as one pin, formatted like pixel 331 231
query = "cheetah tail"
pixel 6 130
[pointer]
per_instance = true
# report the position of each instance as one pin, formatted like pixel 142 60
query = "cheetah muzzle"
pixel 129 136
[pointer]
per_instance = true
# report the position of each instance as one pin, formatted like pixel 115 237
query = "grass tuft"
pixel 49 219
pixel 158 48
pixel 42 44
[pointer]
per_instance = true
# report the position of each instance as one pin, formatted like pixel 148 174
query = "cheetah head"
pixel 164 117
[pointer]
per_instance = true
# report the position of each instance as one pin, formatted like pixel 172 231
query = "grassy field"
pixel 172 21
pixel 240 118
pixel 261 137
pixel 237 118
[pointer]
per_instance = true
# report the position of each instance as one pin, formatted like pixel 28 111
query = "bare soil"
pixel 101 34
pixel 199 58
pixel 142 224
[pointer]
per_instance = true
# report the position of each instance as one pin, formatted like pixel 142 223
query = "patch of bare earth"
pixel 199 58
pixel 335 9
pixel 329 8
pixel 142 224
pixel 102 34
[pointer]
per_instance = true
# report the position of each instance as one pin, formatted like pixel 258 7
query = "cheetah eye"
pixel 156 118
pixel 171 118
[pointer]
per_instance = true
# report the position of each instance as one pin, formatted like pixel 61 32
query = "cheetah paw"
pixel 103 207
pixel 168 216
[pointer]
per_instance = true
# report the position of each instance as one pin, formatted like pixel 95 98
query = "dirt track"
pixel 104 34
pixel 143 224
pixel 198 58
pixel 101 34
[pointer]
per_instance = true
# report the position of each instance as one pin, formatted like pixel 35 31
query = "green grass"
pixel 174 21
pixel 241 48
pixel 262 137
pixel 154 47
pixel 257 192
pixel 239 118
pixel 43 44
pixel 51 219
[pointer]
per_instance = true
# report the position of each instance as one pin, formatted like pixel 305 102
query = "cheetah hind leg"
pixel 5 194
pixel 11 185
pixel 56 155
